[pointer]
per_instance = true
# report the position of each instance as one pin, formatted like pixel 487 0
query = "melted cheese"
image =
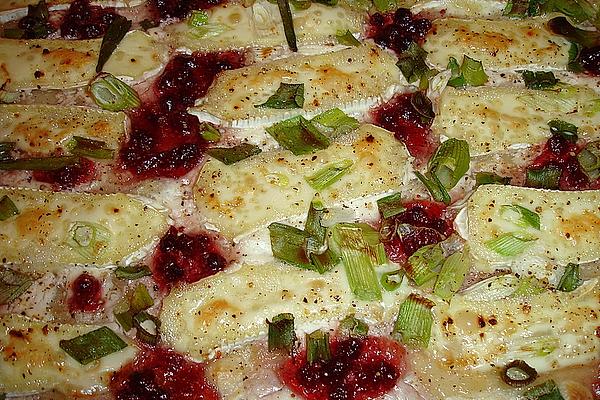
pixel 271 186
pixel 569 226
pixel 32 361
pixel 497 44
pixel 9 5
pixel 330 80
pixel 459 8
pixel 494 119
pixel 230 308
pixel 42 129
pixel 39 236
pixel 63 64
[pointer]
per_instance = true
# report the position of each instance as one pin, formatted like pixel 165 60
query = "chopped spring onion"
pixel 313 225
pixel 413 324
pixel 115 32
pixel 209 132
pixel 148 336
pixel 565 129
pixel 298 4
pixel 197 18
pixel 450 162
pixel 452 275
pixel 8 209
pixel 353 327
pixel 570 279
pixel 424 264
pixel 39 164
pixel 12 285
pixel 544 391
pixel 539 79
pixel 6 149
pixel 392 280
pixel 521 8
pixel 81 146
pixel 457 79
pixel 541 346
pixel 93 345
pixel 335 122
pixel 434 186
pixel 562 26
pixel 574 65
pixel 112 94
pixel 470 73
pixel 412 64
pixel 209 30
pixel 518 374
pixel 544 177
pixel 288 24
pixel 287 244
pixel 323 262
pixel 231 155
pixel 490 178
pixel 380 254
pixel 298 135
pixel 132 272
pixel 589 159
pixel 287 96
pixel 317 347
pixel 385 5
pixel 281 332
pixel 520 216
pixel 140 300
pixel 329 174
pixel 346 38
pixel 423 106
pixel 510 244
pixel 528 287
pixel 88 238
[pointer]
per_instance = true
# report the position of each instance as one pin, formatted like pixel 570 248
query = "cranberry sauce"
pixel 86 294
pixel 401 117
pixel 164 9
pixel 161 374
pixel 421 224
pixel 68 177
pixel 561 153
pixel 84 21
pixel 164 139
pixel 185 258
pixel 396 31
pixel 358 369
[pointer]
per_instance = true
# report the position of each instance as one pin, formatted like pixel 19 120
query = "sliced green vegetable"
pixel 113 94
pixel 457 79
pixel 412 63
pixel 434 186
pixel 565 129
pixel 325 261
pixel 148 336
pixel 38 23
pixel 8 209
pixel 13 33
pixel 574 65
pixel 490 178
pixel 470 73
pixel 570 279
pixel 413 324
pixel 88 238
pixel 539 79
pixel 589 160
pixel 85 147
pixel 544 177
pixel 93 345
pixel 522 8
pixel 510 244
pixel 148 24
pixel 577 10
pixel 281 333
pixel 6 149
pixel 139 301
pixel 385 5
pixel 329 174
pixel 39 164
pixel 541 346
pixel 422 105
pixel 287 96
pixel 132 272
pixel 347 38
pixel 298 135
pixel 520 216
pixel 329 3
pixel 288 24
pixel 197 19
pixel 585 38
pixel 424 264
pixel 287 244
pixel 313 225
pixel 528 287
pixel 544 391
pixel 12 285
pixel 518 374
pixel 390 205
pixel 450 162
pixel 209 132
pixel 452 275
pixel 115 32
pixel 298 4
pixel 335 122
pixel 353 327
pixel 231 155
pixel 392 280
pixel 317 347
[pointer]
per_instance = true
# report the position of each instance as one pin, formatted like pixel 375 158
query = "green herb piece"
pixel 8 209
pixel 353 327
pixel 317 347
pixel 148 24
pixel 12 285
pixel 577 10
pixel 231 155
pixel 93 345
pixel 510 244
pixel 585 38
pixel 314 227
pixel 413 324
pixel 457 79
pixel 335 122
pixel 574 65
pixel 589 159
pixel 113 94
pixel 385 5
pixel 287 244
pixel 38 25
pixel 390 205
pixel 115 32
pixel 288 24
pixel 470 73
pixel 422 105
pixel 347 38
pixel 298 135
pixel 522 8
pixel 298 4
pixel 452 275
pixel 541 346
pixel 565 129
pixel 412 63
pixel 392 280
pixel 209 132
pixel 281 333
pixel 570 279
pixel 88 239
pixel 148 336
pixel 39 164
pixel 544 391
pixel 287 96
pixel 424 264
pixel 490 178
pixel 329 174
pixel 329 3
pixel 13 33
pixel 85 147
pixel 132 272
pixel 450 162
pixel 528 287
pixel 518 373
pixel 520 216
pixel 323 262
pixel 197 19
pixel 544 177
pixel 539 80
pixel 434 186
pixel 139 301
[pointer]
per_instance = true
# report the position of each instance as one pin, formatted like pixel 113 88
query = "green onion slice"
pixel 570 279
pixel 544 177
pixel 148 336
pixel 353 327
pixel 39 164
pixel 325 261
pixel 518 374
pixel 510 244
pixel 288 24
pixel 392 280
pixel 589 159
pixel 520 216
pixel 528 287
pixel 539 79
pixel 541 346
pixel 423 106
pixel 8 209
pixel 385 5
pixel 470 73
pixel 287 96
pixel 335 122
pixel 113 94
pixel 115 32
pixel 490 178
pixel 412 63
pixel 298 135
pixel 317 347
pixel 197 19
pixel 457 79
pixel 85 147
pixel 88 238
pixel 434 186
pixel 281 333
pixel 209 132
pixel 544 391
pixel 574 65
pixel 6 149
pixel 12 285
pixel 583 37
pixel 413 324
pixel 346 38
pixel 298 4
pixel 329 174
pixel 452 275
pixel 287 244
pixel 424 264
pixel 140 300
pixel 313 225
pixel 565 129
pixel 93 345
pixel 132 272
pixel 450 162
pixel 231 155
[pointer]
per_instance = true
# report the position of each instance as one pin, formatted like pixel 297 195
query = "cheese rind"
pixel 330 80
pixel 42 129
pixel 40 236
pixel 497 44
pixel 569 226
pixel 271 186
pixel 492 119
pixel 32 360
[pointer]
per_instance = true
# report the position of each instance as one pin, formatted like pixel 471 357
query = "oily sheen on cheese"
pixel 271 186
pixel 498 44
pixel 42 129
pixel 330 80
pixel 230 308
pixel 32 361
pixel 493 119
pixel 40 236
pixel 569 226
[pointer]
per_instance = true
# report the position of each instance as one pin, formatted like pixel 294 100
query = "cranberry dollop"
pixel 397 30
pixel 84 171
pixel 84 21
pixel 86 294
